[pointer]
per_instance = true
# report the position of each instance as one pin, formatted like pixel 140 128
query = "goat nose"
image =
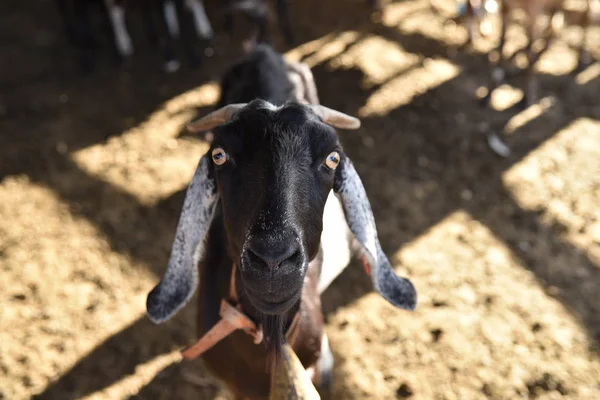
pixel 272 255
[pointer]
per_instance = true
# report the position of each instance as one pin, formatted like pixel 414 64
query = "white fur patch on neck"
pixel 335 242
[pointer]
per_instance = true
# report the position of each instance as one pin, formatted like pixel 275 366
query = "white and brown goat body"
pixel 275 204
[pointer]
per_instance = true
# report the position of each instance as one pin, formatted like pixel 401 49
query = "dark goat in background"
pixel 165 23
pixel 258 11
pixel 262 74
pixel 262 205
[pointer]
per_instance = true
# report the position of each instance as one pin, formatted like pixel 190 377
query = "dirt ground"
pixel 505 252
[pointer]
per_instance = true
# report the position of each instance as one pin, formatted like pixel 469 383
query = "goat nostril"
pixel 271 256
pixel 255 259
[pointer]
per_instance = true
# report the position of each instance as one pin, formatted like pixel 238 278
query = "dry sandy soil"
pixel 505 252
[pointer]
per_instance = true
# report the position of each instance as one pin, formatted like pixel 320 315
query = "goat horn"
pixel 335 118
pixel 215 118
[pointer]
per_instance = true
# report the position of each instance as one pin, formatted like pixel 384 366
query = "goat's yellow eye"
pixel 332 160
pixel 219 156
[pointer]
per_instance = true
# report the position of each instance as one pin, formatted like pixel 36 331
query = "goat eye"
pixel 332 160
pixel 219 156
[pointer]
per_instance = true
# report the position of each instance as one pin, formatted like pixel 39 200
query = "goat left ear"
pixel 357 209
pixel 181 277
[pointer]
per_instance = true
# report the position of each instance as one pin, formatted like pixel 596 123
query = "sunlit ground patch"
pixel 530 114
pixel 49 255
pixel 323 49
pixel 562 179
pixel 479 306
pixel 379 59
pixel 148 161
pixel 398 91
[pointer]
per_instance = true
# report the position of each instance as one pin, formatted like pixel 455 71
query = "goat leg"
pixel 202 24
pixel 158 16
pixel 534 57
pixel 110 32
pixel 162 27
pixel 584 58
pixel 531 92
pixel 285 24
pixel 149 22
pixel 229 22
pixel 377 5
pixel 527 49
pixel 187 32
pixel 323 370
pixel 66 15
pixel 82 28
pixel 115 17
pixel 497 72
pixel 471 22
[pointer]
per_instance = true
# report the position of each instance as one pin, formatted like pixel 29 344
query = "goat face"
pixel 274 169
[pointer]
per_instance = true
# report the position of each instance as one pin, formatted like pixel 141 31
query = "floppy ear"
pixel 181 277
pixel 357 209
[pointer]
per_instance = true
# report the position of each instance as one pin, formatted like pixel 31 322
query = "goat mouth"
pixel 273 307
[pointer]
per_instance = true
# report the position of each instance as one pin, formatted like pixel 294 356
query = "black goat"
pixel 257 222
pixel 164 20
pixel 160 19
pixel 258 12
pixel 261 74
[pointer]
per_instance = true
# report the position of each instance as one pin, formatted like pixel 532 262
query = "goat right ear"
pixel 181 277
pixel 357 209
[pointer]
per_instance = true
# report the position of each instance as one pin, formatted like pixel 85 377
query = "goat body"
pixel 258 12
pixel 262 74
pixel 276 199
